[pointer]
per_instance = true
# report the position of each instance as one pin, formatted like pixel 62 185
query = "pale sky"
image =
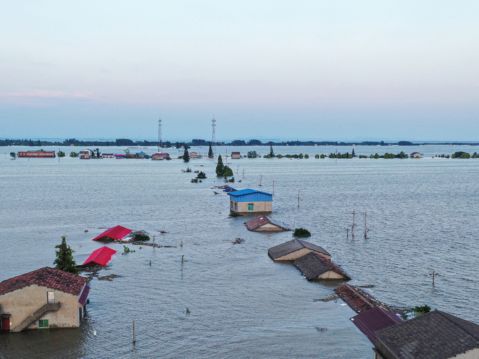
pixel 282 69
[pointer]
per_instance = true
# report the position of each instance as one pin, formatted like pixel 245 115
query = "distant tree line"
pixel 202 142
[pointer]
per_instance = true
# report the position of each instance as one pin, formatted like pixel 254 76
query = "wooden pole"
pixel 347 233
pixel 133 334
pixel 366 230
pixel 299 198
pixel 353 226
pixel 273 187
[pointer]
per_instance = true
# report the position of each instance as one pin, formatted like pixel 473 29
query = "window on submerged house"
pixel 43 323
pixel 250 206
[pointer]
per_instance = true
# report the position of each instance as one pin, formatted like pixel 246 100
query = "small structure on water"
pixel 416 155
pixel 44 298
pixel 295 249
pixel 235 155
pixel 316 267
pixel 247 201
pixel 36 154
pixel 101 256
pixel 160 156
pixel 434 335
pixel 194 155
pixel 116 233
pixel 264 224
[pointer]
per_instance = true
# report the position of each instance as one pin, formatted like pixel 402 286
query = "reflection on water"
pixel 422 214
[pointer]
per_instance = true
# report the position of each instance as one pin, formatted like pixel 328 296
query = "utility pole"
pixel 299 198
pixel 133 334
pixel 273 187
pixel 260 180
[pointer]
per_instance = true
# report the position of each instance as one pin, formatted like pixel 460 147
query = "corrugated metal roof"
pixel 100 256
pixel 250 195
pixel 115 233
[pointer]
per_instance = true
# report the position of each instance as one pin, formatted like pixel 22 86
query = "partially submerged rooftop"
pixel 287 250
pixel 358 299
pixel 314 266
pixel 434 335
pixel 260 222
pixel 375 319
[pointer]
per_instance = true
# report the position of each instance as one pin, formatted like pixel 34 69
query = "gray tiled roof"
pixel 292 246
pixel 312 266
pixel 435 335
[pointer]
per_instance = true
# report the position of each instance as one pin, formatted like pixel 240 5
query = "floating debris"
pixel 238 241
pixel 329 298
pixel 108 277
pixel 154 245
pixel 321 330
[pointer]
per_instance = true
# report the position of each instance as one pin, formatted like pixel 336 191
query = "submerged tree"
pixel 271 152
pixel 227 172
pixel 210 152
pixel 220 167
pixel 64 257
pixel 186 155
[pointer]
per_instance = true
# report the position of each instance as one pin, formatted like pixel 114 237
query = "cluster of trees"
pixel 464 155
pixel 222 170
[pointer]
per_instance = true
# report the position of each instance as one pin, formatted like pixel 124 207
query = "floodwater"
pixel 423 215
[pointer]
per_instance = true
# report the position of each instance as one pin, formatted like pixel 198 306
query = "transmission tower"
pixel 213 130
pixel 160 142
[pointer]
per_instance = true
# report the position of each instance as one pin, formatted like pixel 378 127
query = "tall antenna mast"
pixel 160 142
pixel 213 131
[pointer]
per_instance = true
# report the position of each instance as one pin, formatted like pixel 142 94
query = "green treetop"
pixel 186 155
pixel 64 257
pixel 220 167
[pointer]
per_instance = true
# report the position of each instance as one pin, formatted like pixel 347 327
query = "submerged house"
pixel 101 257
pixel 116 233
pixel 434 335
pixel 44 298
pixel 316 267
pixel 247 201
pixel 36 154
pixel 416 155
pixel 297 248
pixel 235 155
pixel 160 156
pixel 264 224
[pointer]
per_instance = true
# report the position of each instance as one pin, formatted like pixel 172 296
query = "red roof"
pixel 357 299
pixel 116 233
pixel 45 277
pixel 101 256
pixel 374 319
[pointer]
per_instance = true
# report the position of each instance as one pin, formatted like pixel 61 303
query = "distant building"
pixel 248 201
pixel 160 156
pixel 295 249
pixel 36 154
pixel 194 155
pixel 416 155
pixel 85 155
pixel 265 224
pixel 44 298
pixel 316 267
pixel 434 335
pixel 235 155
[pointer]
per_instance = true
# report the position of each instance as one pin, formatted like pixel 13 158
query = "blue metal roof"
pixel 250 195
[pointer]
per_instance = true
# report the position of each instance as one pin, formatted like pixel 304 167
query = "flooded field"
pixel 423 215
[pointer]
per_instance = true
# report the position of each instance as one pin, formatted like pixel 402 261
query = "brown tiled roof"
pixel 313 265
pixel 357 299
pixel 293 246
pixel 257 222
pixel 435 335
pixel 45 277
